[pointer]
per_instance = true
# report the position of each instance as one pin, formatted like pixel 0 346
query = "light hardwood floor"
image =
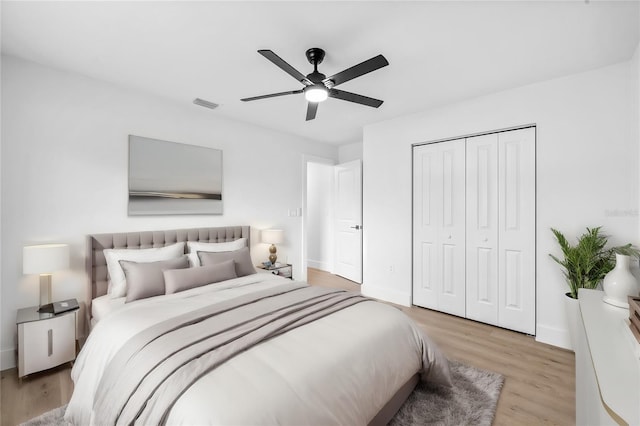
pixel 539 386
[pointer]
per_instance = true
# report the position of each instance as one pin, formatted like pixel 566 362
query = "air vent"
pixel 205 104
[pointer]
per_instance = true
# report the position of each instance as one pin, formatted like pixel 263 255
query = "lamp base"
pixel 45 289
pixel 272 257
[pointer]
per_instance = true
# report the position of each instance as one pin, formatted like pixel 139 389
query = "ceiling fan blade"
pixel 273 95
pixel 353 97
pixel 279 62
pixel 312 108
pixel 362 68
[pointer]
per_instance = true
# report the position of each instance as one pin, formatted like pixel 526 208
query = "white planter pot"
pixel 572 312
pixel 619 283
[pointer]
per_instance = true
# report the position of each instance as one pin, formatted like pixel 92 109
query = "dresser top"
pixel 616 366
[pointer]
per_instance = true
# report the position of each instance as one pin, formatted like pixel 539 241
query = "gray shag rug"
pixel 471 401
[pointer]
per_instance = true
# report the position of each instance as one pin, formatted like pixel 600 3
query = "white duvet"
pixel 341 369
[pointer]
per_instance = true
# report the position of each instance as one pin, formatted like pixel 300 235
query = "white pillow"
pixel 194 247
pixel 117 280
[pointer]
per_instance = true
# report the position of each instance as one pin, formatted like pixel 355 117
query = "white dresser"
pixel 607 370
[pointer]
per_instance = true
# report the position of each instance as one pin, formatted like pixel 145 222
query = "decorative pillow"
pixel 176 280
pixel 117 280
pixel 147 279
pixel 241 257
pixel 194 247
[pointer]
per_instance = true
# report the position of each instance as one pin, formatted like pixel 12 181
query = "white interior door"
pixel 516 182
pixel 439 226
pixel 482 228
pixel 348 220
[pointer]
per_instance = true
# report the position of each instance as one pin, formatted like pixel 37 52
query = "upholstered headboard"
pixel 97 265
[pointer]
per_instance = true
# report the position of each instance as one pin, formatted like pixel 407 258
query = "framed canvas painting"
pixel 173 178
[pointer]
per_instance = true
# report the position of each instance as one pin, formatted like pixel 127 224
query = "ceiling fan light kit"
pixel 316 93
pixel 318 87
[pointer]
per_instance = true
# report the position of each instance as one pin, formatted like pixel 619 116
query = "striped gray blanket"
pixel 155 367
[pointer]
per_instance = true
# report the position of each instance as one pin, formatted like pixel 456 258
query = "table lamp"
pixel 273 237
pixel 45 259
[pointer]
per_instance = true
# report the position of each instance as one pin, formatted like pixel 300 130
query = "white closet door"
pixel 482 228
pixel 516 213
pixel 439 226
pixel 425 201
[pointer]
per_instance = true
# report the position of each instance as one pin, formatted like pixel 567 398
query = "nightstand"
pixel 44 340
pixel 285 270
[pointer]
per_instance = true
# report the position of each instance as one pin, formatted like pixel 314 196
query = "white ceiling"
pixel 439 52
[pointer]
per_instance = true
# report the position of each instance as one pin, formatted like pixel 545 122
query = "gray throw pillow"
pixel 146 279
pixel 241 257
pixel 176 280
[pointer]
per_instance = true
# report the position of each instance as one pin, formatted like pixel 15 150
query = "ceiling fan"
pixel 317 86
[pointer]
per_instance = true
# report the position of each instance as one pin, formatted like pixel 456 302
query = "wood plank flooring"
pixel 539 386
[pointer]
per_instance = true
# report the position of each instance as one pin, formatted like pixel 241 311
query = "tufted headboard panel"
pixel 97 266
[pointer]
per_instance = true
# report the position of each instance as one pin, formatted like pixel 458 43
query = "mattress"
pixel 103 306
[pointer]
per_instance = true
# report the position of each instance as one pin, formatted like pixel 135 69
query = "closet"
pixel 474 228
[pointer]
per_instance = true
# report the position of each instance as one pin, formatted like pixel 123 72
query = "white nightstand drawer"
pixel 46 343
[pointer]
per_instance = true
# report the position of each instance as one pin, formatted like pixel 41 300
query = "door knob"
pixel 356 227
pixel 485 239
pixel 449 237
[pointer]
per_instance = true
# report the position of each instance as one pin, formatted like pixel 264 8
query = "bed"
pixel 308 356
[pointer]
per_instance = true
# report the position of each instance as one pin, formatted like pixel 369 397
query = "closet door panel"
pixel 482 228
pixel 516 189
pixel 451 228
pixel 426 198
pixel 438 226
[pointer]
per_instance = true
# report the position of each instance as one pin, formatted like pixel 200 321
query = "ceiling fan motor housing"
pixel 315 55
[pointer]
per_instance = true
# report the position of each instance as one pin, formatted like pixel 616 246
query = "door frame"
pixel 307 158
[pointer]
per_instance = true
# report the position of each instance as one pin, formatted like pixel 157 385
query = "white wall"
pixel 635 70
pixel 350 152
pixel 320 205
pixel 1 244
pixel 64 173
pixel 587 175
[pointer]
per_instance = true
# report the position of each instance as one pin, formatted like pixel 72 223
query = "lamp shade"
pixel 45 258
pixel 272 236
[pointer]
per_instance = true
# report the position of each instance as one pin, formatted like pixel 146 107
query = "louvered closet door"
pixel 482 228
pixel 516 223
pixel 439 226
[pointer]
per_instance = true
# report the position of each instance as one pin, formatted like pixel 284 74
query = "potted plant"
pixel 585 266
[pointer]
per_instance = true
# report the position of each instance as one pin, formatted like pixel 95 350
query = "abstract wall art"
pixel 167 178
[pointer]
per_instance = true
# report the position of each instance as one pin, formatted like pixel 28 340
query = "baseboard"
pixel 317 264
pixel 7 359
pixel 553 336
pixel 397 297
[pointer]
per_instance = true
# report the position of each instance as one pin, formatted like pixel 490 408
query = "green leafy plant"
pixel 586 263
